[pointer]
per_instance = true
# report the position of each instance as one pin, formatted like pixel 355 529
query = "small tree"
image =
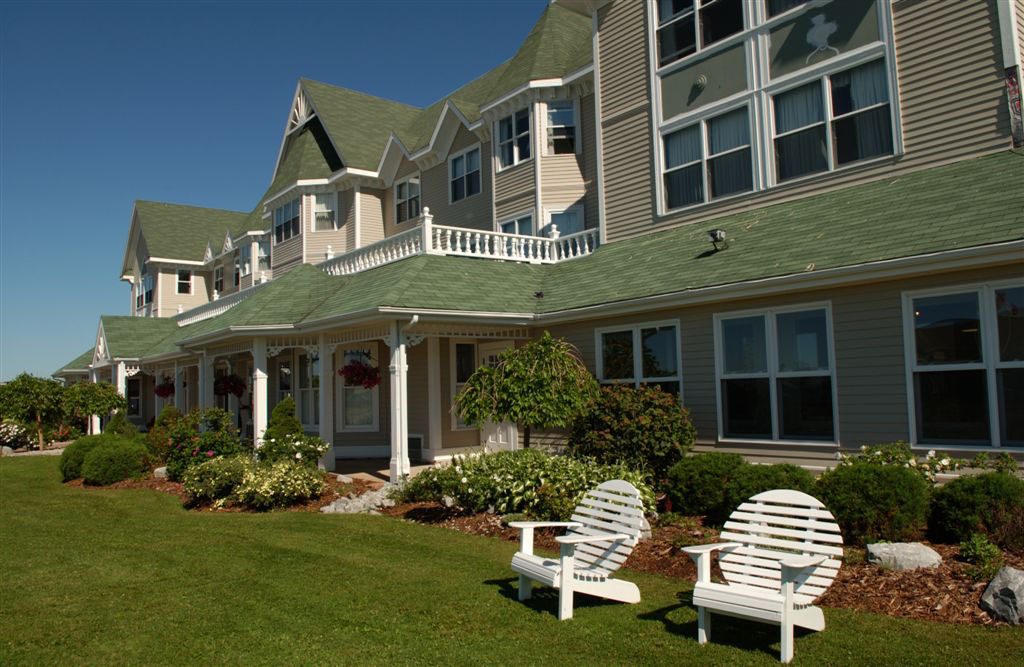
pixel 33 400
pixel 543 384
pixel 85 399
pixel 283 421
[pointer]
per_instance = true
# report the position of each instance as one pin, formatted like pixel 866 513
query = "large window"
pixel 184 281
pixel 966 366
pixel 643 354
pixel 561 128
pixel 567 221
pixel 464 174
pixel 463 364
pixel 324 212
pixel 776 379
pixel 144 291
pixel 287 220
pixel 264 258
pixel 695 174
pixel 359 404
pixel 514 138
pixel 407 199
pixel 686 26
pixel 308 388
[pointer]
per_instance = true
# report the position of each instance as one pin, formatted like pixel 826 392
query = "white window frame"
pixel 772 374
pixel 340 395
pixel 755 38
pixel 419 181
pixel 545 127
pixel 281 223
pixel 454 386
pixel 462 154
pixel 749 16
pixel 638 376
pixel 332 209
pixel 178 281
pixel 218 279
pixel 260 255
pixel 245 258
pixel 306 393
pixel 528 213
pixel 516 159
pixel 545 229
pixel 989 355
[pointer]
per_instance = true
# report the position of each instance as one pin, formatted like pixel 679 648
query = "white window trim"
pixel 178 281
pixel 418 177
pixel 334 209
pixel 496 145
pixel 518 216
pixel 451 378
pixel 339 395
pixel 448 181
pixel 753 15
pixel 756 39
pixel 773 374
pixel 543 128
pixel 218 276
pixel 273 221
pixel 638 377
pixel 989 353
pixel 564 208
pixel 245 270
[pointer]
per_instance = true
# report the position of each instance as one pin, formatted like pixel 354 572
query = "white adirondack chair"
pixel 601 534
pixel 783 552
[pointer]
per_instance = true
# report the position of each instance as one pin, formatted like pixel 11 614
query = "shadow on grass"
pixel 545 599
pixel 681 619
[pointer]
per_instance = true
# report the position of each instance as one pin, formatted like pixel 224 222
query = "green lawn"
pixel 130 577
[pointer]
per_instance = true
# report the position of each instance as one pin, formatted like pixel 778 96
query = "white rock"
pixel 645 530
pixel 903 555
pixel 448 501
pixel 1003 599
pixel 344 479
pixel 160 473
pixel 6 451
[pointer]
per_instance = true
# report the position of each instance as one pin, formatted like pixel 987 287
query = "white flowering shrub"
pixel 13 435
pixel 522 482
pixel 279 484
pixel 215 480
pixel 899 453
pixel 297 447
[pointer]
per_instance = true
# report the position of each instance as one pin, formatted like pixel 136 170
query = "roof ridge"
pixel 201 208
pixel 360 93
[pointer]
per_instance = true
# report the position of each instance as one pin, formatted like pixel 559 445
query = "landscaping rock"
pixel 160 473
pixel 1004 597
pixel 645 530
pixel 368 503
pixel 6 451
pixel 448 501
pixel 344 479
pixel 903 555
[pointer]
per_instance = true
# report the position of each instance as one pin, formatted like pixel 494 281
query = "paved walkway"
pixel 371 470
pixel 36 452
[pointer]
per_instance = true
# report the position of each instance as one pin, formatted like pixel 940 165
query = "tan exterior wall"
pixel 1019 11
pixel 871 389
pixel 371 216
pixel 449 436
pixel 391 227
pixel 564 181
pixel 285 253
pixel 317 242
pixel 168 299
pixel 951 96
pixel 515 189
pixel 381 437
pixel 473 212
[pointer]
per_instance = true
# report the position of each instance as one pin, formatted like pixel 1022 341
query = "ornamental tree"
pixel 85 399
pixel 543 384
pixel 33 400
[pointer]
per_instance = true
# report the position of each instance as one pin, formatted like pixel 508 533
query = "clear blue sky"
pixel 105 103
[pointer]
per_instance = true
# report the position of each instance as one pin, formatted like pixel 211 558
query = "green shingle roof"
pixel 136 337
pixel 176 231
pixel 302 159
pixel 79 363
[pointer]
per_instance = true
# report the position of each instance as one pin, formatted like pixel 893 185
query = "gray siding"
pixel 286 252
pixel 473 212
pixel 391 227
pixel 317 242
pixel 371 216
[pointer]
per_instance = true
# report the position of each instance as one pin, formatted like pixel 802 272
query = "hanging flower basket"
pixel 165 389
pixel 359 373
pixel 229 384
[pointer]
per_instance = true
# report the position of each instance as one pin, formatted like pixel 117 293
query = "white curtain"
pixel 868 134
pixel 682 146
pixel 798 108
pixel 728 131
pixel 801 152
pixel 730 173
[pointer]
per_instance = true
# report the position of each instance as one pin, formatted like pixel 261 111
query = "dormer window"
pixel 323 212
pixel 144 293
pixel 514 138
pixel 464 174
pixel 245 259
pixel 264 255
pixel 286 220
pixel 407 199
pixel 218 279
pixel 184 281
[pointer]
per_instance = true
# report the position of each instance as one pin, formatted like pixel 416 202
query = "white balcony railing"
pixel 219 305
pixel 433 239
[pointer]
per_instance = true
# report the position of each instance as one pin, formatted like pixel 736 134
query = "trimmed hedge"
pixel 697 484
pixel 873 502
pixel 991 504
pixel 113 461
pixel 73 456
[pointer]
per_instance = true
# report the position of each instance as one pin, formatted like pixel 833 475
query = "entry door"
pixel 501 436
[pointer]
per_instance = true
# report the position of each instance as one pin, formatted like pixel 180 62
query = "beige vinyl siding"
pixel 169 297
pixel 391 226
pixel 868 339
pixel 951 95
pixel 317 242
pixel 350 221
pixel 589 138
pixel 371 216
pixel 570 180
pixel 472 212
pixel 286 252
pixel 449 437
pixel 515 189
pixel 281 269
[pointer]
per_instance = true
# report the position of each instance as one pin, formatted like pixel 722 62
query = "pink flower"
pixel 209 452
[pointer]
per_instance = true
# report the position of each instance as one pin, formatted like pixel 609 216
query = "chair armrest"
pixel 582 539
pixel 796 563
pixel 701 549
pixel 543 524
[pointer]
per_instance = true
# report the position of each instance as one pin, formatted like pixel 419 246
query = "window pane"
pixel 719 20
pixel 659 352
pixel 568 222
pixel 505 129
pixel 617 355
pixel 747 408
pixel 776 7
pixel 730 174
pixel 801 153
pixel 947 329
pixel 728 131
pixel 473 183
pixel 561 113
pixel 1011 400
pixel 465 361
pixel 858 88
pixel 952 407
pixel 667 387
pixel 562 141
pixel 1010 321
pixel 458 167
pixel 677 40
pixel 682 146
pixel 803 341
pixel 743 339
pixel 523 145
pixel 863 135
pixel 458 189
pixel 506 153
pixel 522 121
pixel 684 186
pixel 798 108
pixel 669 8
pixel 805 408
pixel 358 406
pixel 305 405
pixel 473 160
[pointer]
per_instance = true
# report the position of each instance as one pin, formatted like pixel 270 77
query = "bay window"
pixel 966 365
pixel 407 199
pixel 464 174
pixel 245 258
pixel 775 375
pixel 324 212
pixel 691 176
pixel 686 26
pixel 463 364
pixel 264 255
pixel 308 388
pixel 561 128
pixel 184 281
pixel 287 220
pixel 645 354
pixel 514 138
pixel 358 403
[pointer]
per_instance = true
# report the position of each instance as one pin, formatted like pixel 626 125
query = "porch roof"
pixel 136 337
pixel 79 364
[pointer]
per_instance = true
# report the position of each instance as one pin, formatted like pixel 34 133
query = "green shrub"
pixel 216 479
pixel 280 484
pixel 749 480
pixel 991 504
pixel 697 483
pixel 191 446
pixel 283 421
pixel 304 449
pixel 642 428
pixel 119 425
pixel 526 481
pixel 873 502
pixel 158 438
pixel 113 461
pixel 985 558
pixel 73 456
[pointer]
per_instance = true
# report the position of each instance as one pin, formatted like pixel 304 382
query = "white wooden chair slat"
pixel 613 508
pixel 812 536
pixel 770 528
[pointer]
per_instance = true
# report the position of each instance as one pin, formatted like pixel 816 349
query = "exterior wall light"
pixel 718 236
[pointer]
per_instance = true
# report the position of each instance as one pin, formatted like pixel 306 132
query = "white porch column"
pixel 399 413
pixel 94 420
pixel 120 379
pixel 179 388
pixel 259 389
pixel 434 443
pixel 327 401
pixel 206 382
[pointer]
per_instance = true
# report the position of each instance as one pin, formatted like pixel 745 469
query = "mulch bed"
pixel 945 593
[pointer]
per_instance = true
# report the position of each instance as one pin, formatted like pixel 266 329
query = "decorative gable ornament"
pixel 228 245
pixel 208 255
pixel 301 112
